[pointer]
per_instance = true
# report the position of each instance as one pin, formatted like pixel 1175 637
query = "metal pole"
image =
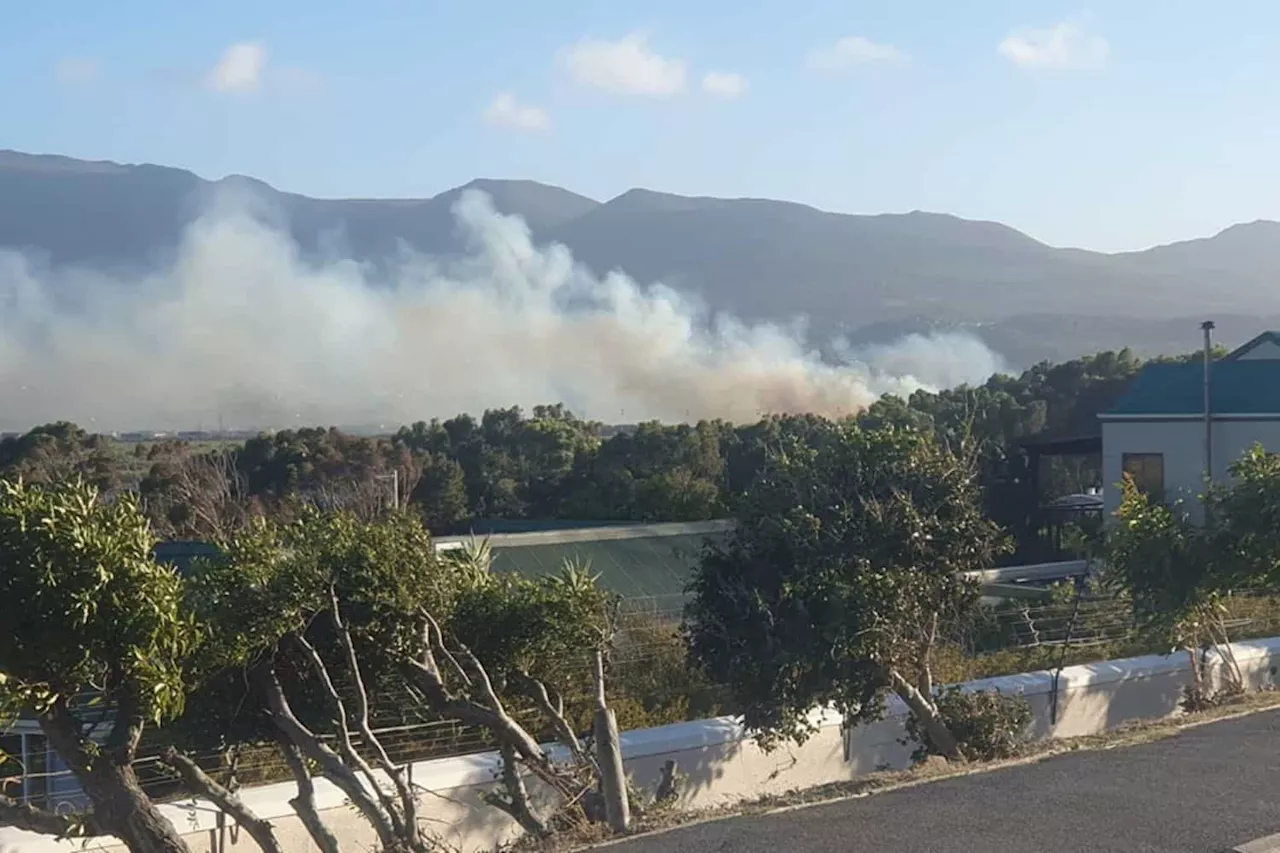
pixel 1208 326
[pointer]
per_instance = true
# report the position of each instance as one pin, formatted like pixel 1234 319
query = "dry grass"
pixel 1131 734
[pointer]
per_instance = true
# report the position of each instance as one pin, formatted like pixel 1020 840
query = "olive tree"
pixel 539 639
pixel 319 621
pixel 1178 574
pixel 1174 573
pixel 92 647
pixel 1248 511
pixel 842 576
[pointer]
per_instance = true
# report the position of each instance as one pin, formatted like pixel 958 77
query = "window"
pixel 1147 471
pixel 24 770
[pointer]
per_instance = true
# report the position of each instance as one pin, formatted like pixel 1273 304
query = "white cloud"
pixel 1066 45
pixel 724 84
pixel 852 51
pixel 241 68
pixel 505 111
pixel 78 71
pixel 626 67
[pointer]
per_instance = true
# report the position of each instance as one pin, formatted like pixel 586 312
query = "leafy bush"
pixel 988 724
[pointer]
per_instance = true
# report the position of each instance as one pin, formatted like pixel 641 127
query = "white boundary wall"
pixel 719 763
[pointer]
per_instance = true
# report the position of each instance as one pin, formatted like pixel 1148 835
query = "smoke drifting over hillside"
pixel 241 329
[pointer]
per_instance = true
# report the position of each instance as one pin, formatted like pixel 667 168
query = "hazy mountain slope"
pixel 1025 339
pixel 95 213
pixel 775 259
pixel 1248 252
pixel 752 258
pixel 80 212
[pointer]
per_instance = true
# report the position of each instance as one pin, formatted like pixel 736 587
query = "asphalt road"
pixel 1201 791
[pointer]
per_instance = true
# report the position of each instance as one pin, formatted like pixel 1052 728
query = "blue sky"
pixel 1112 126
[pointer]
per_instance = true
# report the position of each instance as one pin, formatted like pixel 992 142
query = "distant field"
pixel 133 454
pixel 204 445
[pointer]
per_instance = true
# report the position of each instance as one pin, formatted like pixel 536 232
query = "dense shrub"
pixel 988 724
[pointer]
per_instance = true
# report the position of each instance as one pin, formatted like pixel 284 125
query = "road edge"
pixel 1266 844
pixel 1155 730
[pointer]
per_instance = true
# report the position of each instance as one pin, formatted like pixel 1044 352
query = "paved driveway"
pixel 1202 791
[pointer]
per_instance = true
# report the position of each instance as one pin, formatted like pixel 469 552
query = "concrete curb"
pixel 1266 844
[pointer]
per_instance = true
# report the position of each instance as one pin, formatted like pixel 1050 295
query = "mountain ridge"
pixel 757 259
pixel 11 157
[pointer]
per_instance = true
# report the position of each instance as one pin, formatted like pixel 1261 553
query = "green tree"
pixel 1179 572
pixel 55 453
pixel 1176 573
pixel 87 612
pixel 441 494
pixel 841 578
pixel 320 620
pixel 1248 509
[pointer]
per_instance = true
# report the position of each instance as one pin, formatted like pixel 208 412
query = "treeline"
pixel 847 582
pixel 551 464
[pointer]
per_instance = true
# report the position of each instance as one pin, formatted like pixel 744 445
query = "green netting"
pixel 652 567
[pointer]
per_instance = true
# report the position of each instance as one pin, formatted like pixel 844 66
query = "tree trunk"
pixel 311 746
pixel 927 714
pixel 199 783
pixel 124 809
pixel 613 776
pixel 120 806
pixel 22 815
pixel 516 803
pixel 305 803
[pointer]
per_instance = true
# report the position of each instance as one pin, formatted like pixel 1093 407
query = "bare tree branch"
pixel 516 803
pixel 312 747
pixel 479 676
pixel 22 815
pixel 926 713
pixel 434 638
pixel 305 803
pixel 554 713
pixel 408 804
pixel 345 746
pixel 926 658
pixel 208 488
pixel 198 782
pixel 489 713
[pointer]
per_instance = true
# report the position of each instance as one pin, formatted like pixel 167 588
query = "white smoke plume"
pixel 241 329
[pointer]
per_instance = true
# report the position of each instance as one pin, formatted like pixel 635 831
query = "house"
pixel 1157 431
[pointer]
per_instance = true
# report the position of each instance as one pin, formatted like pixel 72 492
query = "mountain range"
pixel 870 278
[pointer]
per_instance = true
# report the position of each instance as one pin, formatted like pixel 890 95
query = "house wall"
pixel 720 763
pixel 1182 443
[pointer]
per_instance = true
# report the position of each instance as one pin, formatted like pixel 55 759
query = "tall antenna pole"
pixel 1207 326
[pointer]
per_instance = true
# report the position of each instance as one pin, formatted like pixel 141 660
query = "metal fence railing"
pixel 1014 634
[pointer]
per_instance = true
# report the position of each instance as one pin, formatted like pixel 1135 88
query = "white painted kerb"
pixel 721 764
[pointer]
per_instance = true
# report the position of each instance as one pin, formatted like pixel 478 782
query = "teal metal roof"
pixel 491 526
pixel 1236 387
pixel 650 562
pixel 647 564
pixel 1249 346
pixel 181 554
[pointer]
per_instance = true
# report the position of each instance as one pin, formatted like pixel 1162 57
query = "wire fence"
pixel 649 679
